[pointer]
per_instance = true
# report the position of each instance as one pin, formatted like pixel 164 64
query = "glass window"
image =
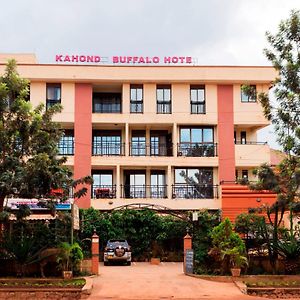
pixel 53 94
pixel 66 143
pixel 138 143
pixel 248 93
pixel 185 135
pixel 163 97
pixel 107 143
pixel 196 134
pixel 197 99
pixel 194 175
pixel 208 135
pixel 107 103
pixel 136 99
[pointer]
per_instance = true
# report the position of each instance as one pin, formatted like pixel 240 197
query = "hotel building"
pixel 175 136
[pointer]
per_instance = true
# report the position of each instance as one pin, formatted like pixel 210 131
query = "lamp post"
pixel 72 220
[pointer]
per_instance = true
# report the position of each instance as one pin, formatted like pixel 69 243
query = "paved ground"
pixel 144 281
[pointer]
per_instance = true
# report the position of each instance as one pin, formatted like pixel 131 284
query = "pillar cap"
pixel 187 236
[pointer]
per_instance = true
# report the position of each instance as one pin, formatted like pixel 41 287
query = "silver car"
pixel 117 250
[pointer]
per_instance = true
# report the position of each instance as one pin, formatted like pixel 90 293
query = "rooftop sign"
pixel 120 60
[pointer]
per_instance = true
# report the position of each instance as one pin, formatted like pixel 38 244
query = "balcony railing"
pixel 144 191
pixel 153 149
pixel 197 149
pixel 250 143
pixel 197 191
pixel 108 149
pixel 104 191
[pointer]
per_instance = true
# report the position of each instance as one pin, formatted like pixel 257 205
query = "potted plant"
pixel 69 258
pixel 236 260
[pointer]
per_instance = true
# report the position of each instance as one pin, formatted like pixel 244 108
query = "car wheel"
pixel 129 263
pixel 106 263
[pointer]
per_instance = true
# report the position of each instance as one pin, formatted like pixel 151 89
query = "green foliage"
pixel 140 227
pixel 29 162
pixel 70 256
pixel 228 247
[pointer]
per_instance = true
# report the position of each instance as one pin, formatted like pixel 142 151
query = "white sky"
pixel 217 32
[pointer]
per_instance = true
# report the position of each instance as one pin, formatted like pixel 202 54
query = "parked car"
pixel 117 250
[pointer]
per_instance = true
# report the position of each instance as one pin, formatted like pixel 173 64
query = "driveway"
pixel 165 281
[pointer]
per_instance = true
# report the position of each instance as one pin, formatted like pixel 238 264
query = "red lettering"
pixel 97 58
pixel 181 58
pixel 167 59
pixel 123 59
pixel 82 58
pixel 67 58
pixel 89 58
pixel 148 60
pixel 135 59
pixel 58 58
pixel 115 59
pixel 129 59
pixel 174 59
pixel 156 59
pixel 188 59
pixel 74 58
pixel 141 60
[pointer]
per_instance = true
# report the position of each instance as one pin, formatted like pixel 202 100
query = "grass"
pixel 80 282
pixel 274 283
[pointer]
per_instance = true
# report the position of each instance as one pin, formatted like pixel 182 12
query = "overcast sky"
pixel 216 32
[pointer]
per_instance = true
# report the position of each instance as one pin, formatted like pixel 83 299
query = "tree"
pixel 29 163
pixel 284 179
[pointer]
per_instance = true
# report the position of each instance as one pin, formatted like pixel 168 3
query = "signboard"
pixel 124 60
pixel 35 204
pixel 189 261
pixel 75 213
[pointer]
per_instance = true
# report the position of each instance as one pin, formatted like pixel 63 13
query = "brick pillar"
pixel 187 245
pixel 95 254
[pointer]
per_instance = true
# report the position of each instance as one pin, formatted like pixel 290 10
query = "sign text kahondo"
pixel 137 60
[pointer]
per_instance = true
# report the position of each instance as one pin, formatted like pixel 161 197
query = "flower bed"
pixel 44 288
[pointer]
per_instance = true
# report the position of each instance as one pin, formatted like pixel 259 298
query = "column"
pixel 118 182
pixel 83 138
pixel 95 254
pixel 169 181
pixel 226 148
pixel 127 139
pixel 175 139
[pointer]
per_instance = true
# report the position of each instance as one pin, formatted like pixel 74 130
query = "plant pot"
pixel 155 261
pixel 235 272
pixel 67 274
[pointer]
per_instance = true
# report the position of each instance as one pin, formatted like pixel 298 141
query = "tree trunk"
pixel 1 203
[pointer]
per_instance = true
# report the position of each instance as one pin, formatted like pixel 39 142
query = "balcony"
pixel 197 191
pixel 108 149
pixel 153 149
pixel 252 154
pixel 104 191
pixel 197 149
pixel 144 191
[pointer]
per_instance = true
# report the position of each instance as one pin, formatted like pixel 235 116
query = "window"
pixel 197 142
pixel 136 99
pixel 193 183
pixel 53 94
pixel 107 143
pixel 197 99
pixel 107 103
pixel 103 184
pixel 138 143
pixel 158 185
pixel 248 93
pixel 163 98
pixel 66 143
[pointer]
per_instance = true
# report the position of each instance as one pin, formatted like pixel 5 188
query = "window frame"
pixel 248 99
pixel 101 104
pixel 136 102
pixel 200 105
pixel 165 104
pixel 52 101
